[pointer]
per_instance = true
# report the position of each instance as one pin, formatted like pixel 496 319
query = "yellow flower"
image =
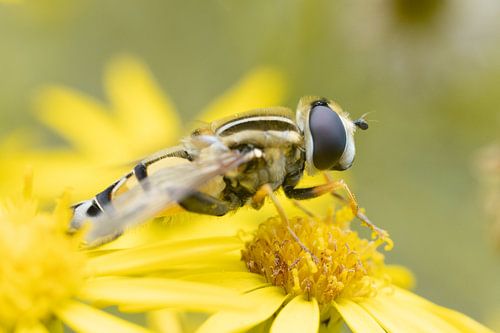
pixel 343 279
pixel 138 120
pixel 46 280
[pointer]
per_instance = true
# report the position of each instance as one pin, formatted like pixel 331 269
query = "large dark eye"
pixel 328 136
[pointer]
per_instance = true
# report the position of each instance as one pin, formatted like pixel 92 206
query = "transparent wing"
pixel 155 193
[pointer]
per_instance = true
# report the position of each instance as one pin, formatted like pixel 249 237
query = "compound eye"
pixel 328 136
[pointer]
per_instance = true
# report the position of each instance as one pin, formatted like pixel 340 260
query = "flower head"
pixel 47 278
pixel 40 268
pixel 346 265
pixel 335 276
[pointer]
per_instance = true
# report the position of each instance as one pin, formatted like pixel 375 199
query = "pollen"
pixel 330 261
pixel 39 268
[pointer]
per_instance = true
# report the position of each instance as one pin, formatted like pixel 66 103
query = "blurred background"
pixel 428 71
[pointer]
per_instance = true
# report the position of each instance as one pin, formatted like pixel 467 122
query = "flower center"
pixel 338 262
pixel 39 267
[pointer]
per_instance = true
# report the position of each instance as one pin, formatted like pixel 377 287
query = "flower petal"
pixel 266 302
pixel 390 320
pixel 457 319
pixel 300 316
pixel 140 294
pixel 400 276
pixel 165 321
pixel 35 328
pixel 430 320
pixel 80 173
pixel 83 318
pixel 262 87
pixel 397 316
pixel 462 322
pixel 161 255
pixel 85 123
pixel 148 117
pixel 356 317
pixel 239 281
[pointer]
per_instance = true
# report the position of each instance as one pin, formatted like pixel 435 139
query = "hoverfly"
pixel 221 166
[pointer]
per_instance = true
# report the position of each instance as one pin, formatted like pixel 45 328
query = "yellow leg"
pixel 259 197
pixel 351 200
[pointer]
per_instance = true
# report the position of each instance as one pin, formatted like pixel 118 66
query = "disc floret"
pixel 40 267
pixel 340 262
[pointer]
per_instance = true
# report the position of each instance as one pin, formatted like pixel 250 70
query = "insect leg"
pixel 267 190
pixel 202 203
pixel 351 200
pixel 311 192
pixel 330 187
pixel 316 191
pixel 259 197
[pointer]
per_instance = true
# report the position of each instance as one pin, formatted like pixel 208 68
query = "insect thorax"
pixel 275 166
pixel 274 132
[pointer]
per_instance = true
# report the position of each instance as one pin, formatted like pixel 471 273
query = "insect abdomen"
pixel 94 207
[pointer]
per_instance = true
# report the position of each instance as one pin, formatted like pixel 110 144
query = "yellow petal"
pixel 223 263
pixel 83 318
pixel 461 321
pixel 165 321
pixel 18 139
pixel 356 317
pixel 455 318
pixel 424 317
pixel 262 87
pixel 400 276
pixel 184 226
pixel 161 255
pixel 390 320
pixel 396 316
pixel 34 328
pixel 147 116
pixel 300 316
pixel 155 293
pixel 266 302
pixel 85 123
pixel 239 281
pixel 55 171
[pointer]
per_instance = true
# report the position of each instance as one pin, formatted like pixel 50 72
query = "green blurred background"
pixel 428 70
